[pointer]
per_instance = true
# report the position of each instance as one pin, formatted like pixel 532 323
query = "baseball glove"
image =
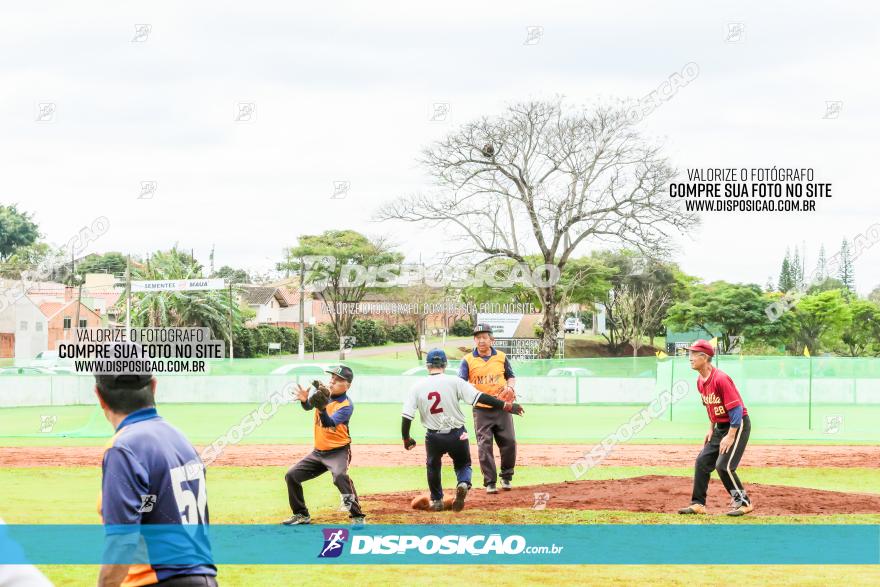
pixel 507 395
pixel 321 397
pixel 423 503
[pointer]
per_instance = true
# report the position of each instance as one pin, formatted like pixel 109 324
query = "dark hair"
pixel 125 396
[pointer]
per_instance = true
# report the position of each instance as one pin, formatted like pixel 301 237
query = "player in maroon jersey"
pixel 728 434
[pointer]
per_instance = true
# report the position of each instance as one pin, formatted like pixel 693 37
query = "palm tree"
pixel 206 309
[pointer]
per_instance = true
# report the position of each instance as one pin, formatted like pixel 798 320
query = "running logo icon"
pixel 334 540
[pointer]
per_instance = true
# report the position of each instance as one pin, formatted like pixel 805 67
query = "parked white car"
pixel 50 360
pixel 574 325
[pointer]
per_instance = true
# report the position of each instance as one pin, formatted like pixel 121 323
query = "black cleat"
pixel 461 492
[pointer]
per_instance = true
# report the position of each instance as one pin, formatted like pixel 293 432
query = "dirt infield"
pixel 384 455
pixel 650 493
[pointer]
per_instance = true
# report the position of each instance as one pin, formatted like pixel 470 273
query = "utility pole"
pixel 128 297
pixel 231 350
pixel 78 304
pixel 302 306
pixel 79 297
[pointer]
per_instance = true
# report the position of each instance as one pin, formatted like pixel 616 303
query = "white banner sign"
pixel 177 285
pixel 503 325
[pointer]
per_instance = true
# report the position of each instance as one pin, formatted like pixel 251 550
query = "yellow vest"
pixel 330 438
pixel 486 376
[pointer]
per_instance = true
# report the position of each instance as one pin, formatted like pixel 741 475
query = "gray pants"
pixel 316 463
pixel 495 425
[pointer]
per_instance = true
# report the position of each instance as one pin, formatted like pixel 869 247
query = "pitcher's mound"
pixel 650 493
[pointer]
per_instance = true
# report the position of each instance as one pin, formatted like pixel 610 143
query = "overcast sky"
pixel 346 92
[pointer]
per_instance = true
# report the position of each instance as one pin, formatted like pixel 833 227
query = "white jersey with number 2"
pixel 437 398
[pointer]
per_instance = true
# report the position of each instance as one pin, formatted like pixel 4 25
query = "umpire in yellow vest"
pixel 488 369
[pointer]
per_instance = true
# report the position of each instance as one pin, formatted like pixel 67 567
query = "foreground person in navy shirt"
pixel 151 475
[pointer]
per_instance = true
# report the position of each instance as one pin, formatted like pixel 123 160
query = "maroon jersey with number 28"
pixel 719 395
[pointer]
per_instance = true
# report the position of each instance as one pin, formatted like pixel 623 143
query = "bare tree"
pixel 639 311
pixel 538 182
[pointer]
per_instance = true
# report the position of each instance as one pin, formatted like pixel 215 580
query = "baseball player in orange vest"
pixel 332 449
pixel 488 369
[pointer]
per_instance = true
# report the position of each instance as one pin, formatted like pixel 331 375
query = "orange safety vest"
pixel 486 376
pixel 330 438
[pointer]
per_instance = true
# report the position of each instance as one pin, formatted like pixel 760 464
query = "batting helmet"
pixel 436 358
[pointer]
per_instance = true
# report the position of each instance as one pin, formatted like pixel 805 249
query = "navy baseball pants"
pixel 455 444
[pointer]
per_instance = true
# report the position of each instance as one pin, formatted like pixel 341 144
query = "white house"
pixel 24 329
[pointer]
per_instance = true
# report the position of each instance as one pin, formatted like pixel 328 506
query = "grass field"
pixel 257 495
pixel 31 496
pixel 380 423
pixel 616 575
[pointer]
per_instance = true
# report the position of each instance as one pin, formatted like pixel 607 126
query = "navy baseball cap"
pixel 341 371
pixel 480 328
pixel 436 358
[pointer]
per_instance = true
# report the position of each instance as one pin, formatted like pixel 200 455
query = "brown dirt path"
pixel 379 455
pixel 650 493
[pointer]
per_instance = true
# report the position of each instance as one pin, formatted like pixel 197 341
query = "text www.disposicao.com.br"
pixel 141 366
pixel 750 205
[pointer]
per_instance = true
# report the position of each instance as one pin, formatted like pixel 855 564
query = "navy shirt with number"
pixel 153 475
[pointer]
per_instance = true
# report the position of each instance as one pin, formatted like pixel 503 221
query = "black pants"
pixel 316 463
pixel 455 444
pixel 710 459
pixel 190 581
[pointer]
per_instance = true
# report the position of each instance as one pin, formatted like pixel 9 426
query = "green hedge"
pixel 462 328
pixel 368 333
pixel 402 333
pixel 254 342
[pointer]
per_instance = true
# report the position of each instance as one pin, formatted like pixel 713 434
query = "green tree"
pixel 874 296
pixel 817 321
pixel 113 263
pixel 862 331
pixel 208 309
pixel 232 275
pixel 734 309
pixel 631 276
pixel 797 270
pixel 821 272
pixel 29 259
pixel 586 281
pixel 337 265
pixel 488 287
pixel 17 229
pixel 786 275
pixel 827 284
pixel 845 270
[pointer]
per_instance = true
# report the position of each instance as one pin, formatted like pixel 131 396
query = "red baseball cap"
pixel 702 346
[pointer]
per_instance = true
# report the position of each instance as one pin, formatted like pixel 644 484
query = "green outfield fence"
pixel 818 399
